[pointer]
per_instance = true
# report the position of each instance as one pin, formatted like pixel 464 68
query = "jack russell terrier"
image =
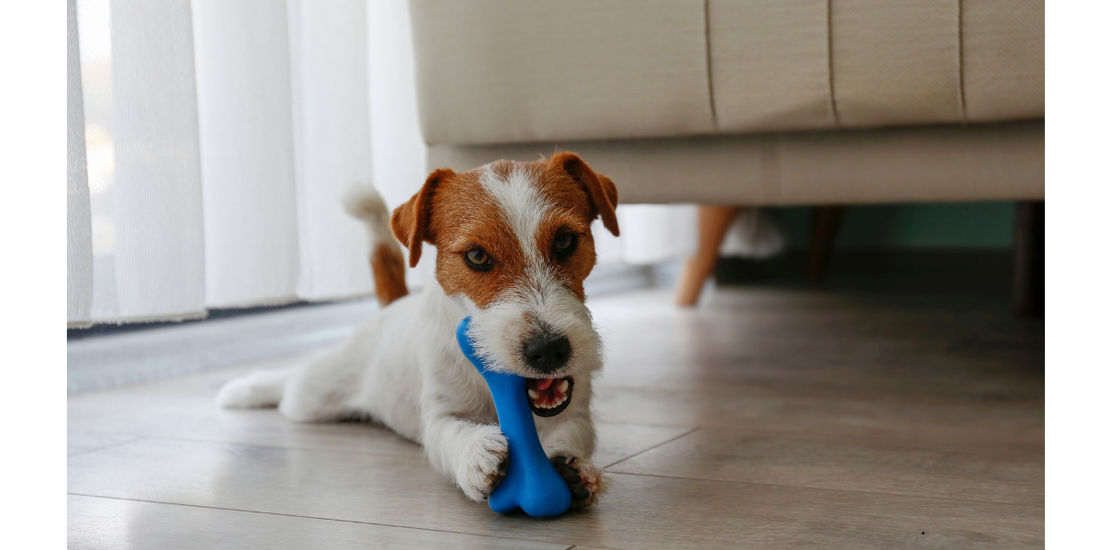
pixel 514 247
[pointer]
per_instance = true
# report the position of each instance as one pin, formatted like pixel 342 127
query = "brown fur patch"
pixel 468 217
pixel 602 195
pixel 411 222
pixel 571 186
pixel 455 212
pixel 388 267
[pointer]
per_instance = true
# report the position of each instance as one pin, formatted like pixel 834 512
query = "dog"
pixel 514 245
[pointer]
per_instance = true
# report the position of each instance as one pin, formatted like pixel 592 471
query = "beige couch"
pixel 745 101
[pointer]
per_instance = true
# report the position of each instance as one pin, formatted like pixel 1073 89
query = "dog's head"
pixel 514 246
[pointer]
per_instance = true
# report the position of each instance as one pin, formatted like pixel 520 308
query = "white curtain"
pixel 210 142
pixel 141 133
pixel 78 218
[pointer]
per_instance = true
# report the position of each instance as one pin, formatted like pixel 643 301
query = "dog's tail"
pixel 386 261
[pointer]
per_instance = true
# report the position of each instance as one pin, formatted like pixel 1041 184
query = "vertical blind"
pixel 210 142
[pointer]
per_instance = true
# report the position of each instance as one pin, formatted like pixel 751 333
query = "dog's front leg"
pixel 569 442
pixel 474 456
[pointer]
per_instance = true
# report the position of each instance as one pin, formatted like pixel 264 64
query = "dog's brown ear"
pixel 410 222
pixel 603 197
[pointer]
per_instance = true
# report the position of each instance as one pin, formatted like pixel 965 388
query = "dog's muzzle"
pixel 548 353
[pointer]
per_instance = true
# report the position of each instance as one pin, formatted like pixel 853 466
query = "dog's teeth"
pixel 532 394
pixel 563 385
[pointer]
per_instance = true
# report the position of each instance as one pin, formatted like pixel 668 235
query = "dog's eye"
pixel 478 259
pixel 564 244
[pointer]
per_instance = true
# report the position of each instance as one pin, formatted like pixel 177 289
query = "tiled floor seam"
pixel 805 488
pixel 104 447
pixel 311 517
pixel 736 390
pixel 262 446
pixel 890 445
pixel 685 434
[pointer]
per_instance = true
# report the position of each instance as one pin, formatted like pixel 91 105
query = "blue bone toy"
pixel 531 482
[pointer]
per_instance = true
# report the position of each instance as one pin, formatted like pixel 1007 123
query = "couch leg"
pixel 826 224
pixel 1029 280
pixel 714 220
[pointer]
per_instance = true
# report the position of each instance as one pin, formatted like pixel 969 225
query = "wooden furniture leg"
pixel 826 224
pixel 713 222
pixel 1029 263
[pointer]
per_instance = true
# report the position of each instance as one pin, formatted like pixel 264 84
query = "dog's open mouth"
pixel 549 396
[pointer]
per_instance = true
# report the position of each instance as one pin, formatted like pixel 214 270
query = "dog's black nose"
pixel 547 352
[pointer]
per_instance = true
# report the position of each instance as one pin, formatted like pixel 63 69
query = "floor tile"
pixel 82 442
pixel 616 442
pixel 958 425
pixel 638 512
pixel 111 524
pixel 192 414
pixel 993 475
pixel 820 345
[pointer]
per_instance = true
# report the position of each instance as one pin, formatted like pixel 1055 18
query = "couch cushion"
pixel 504 71
pixel 499 71
pixel 1003 63
pixel 770 65
pixel 786 64
pixel 896 63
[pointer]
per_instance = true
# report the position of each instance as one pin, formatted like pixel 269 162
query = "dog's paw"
pixel 483 463
pixel 584 480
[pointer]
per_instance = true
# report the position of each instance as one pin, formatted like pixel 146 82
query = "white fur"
pixel 403 368
pixel 364 203
pixel 523 206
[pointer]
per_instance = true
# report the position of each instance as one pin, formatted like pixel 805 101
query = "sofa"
pixel 732 103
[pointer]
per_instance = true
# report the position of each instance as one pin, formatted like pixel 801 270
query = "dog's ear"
pixel 603 197
pixel 411 221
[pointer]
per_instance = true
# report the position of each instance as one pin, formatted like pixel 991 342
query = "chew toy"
pixel 531 483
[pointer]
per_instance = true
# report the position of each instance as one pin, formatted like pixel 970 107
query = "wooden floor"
pixel 765 419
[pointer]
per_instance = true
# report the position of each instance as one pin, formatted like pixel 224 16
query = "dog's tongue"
pixel 542 383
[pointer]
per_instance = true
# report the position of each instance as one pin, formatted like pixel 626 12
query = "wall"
pixel 984 225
